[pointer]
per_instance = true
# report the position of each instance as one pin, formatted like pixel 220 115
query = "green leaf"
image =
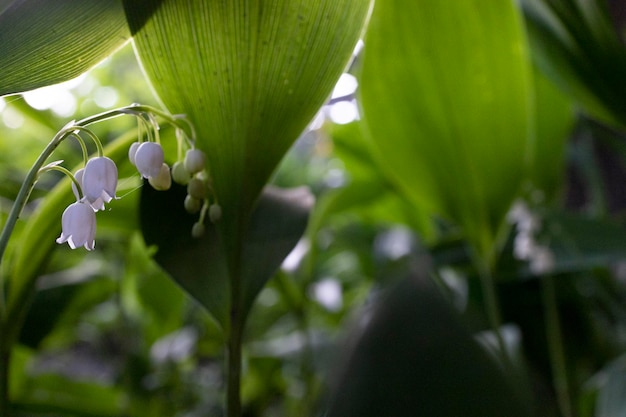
pixel 415 358
pixel 44 42
pixel 199 265
pixel 250 75
pixel 446 99
pixel 576 45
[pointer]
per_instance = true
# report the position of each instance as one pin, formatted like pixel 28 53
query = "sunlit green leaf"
pixel 44 42
pixel 446 98
pixel 250 75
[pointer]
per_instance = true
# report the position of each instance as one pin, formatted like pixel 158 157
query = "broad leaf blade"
pixel 44 42
pixel 446 98
pixel 250 75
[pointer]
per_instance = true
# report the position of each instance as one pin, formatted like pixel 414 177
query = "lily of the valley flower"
pixel 163 181
pixel 79 226
pixel 149 159
pixel 96 205
pixel 194 161
pixel 99 181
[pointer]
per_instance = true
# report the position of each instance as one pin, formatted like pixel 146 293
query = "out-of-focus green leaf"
pixel 32 393
pixel 199 265
pixel 250 75
pixel 446 99
pixel 44 42
pixel 576 45
pixel 415 358
pixel 580 242
pixel 554 119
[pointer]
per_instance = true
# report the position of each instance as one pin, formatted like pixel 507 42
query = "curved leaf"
pixel 574 42
pixel 446 98
pixel 250 74
pixel 44 42
pixel 415 358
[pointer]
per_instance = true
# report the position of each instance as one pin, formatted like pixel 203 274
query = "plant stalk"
pixel 233 393
pixel 555 346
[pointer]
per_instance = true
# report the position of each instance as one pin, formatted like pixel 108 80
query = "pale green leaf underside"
pixel 250 74
pixel 445 94
pixel 44 42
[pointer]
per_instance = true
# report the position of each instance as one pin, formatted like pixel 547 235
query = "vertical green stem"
pixel 233 393
pixel 4 373
pixel 555 346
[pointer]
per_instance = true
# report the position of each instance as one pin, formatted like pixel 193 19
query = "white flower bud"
pixel 149 159
pixel 180 175
pixel 132 151
pixel 163 181
pixel 215 213
pixel 198 229
pixel 194 160
pixel 192 205
pixel 197 189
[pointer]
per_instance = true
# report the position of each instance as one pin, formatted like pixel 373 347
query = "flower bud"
pixel 192 205
pixel 197 189
pixel 132 151
pixel 180 175
pixel 215 213
pixel 163 181
pixel 149 159
pixel 198 229
pixel 194 160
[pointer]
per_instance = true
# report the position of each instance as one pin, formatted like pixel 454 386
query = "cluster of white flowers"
pixel 525 247
pixel 96 183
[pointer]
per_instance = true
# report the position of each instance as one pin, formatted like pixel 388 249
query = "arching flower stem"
pixel 72 129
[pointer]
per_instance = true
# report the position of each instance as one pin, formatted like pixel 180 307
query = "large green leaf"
pixel 250 74
pixel 575 43
pixel 446 98
pixel 44 42
pixel 199 264
pixel 413 357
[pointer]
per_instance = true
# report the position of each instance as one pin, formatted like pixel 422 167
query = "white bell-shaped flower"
pixel 194 160
pixel 79 226
pixel 163 181
pixel 132 151
pixel 99 180
pixel 149 159
pixel 96 205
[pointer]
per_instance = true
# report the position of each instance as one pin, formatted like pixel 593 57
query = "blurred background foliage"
pixel 340 329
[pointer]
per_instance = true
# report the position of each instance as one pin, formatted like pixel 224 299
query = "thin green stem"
pixel 233 393
pixel 555 346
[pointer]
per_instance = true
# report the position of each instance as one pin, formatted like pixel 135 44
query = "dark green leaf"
pixel 44 42
pixel 199 265
pixel 415 358
pixel 575 44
